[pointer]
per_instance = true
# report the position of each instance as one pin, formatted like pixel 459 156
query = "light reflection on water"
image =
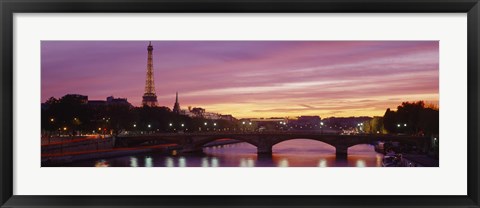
pixel 148 162
pixel 293 153
pixel 133 162
pixel 322 163
pixel 101 163
pixel 169 162
pixel 182 162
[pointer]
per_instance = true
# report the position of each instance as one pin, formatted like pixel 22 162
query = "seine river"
pixel 293 153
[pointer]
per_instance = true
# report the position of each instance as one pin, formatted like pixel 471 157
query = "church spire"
pixel 176 106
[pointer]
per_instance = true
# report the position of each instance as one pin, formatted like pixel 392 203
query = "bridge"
pixel 264 141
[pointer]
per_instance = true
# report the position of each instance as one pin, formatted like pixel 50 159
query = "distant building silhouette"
pixel 149 97
pixel 109 101
pixel 83 99
pixel 198 112
pixel 306 123
pixel 176 106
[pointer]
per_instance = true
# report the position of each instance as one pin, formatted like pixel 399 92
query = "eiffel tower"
pixel 149 97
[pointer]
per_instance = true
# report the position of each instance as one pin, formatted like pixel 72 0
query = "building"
pixel 198 112
pixel 306 123
pixel 265 124
pixel 76 98
pixel 149 97
pixel 227 117
pixel 345 123
pixel 109 101
pixel 117 101
pixel 97 103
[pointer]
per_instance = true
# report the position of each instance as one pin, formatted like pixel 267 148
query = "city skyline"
pixel 250 78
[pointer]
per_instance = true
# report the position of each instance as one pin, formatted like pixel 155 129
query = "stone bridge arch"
pixel 196 144
pixel 322 140
pixel 329 140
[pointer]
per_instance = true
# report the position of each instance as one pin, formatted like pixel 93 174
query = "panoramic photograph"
pixel 239 103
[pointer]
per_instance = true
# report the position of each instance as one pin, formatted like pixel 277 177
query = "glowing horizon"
pixel 250 79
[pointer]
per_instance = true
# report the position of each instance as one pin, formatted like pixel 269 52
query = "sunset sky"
pixel 249 78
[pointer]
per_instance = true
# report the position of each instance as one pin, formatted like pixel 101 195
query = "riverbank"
pixel 58 158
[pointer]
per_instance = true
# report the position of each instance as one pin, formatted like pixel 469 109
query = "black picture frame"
pixel 10 7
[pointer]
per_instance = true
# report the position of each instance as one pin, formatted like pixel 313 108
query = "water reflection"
pixel 214 162
pixel 169 162
pixel 133 162
pixel 247 162
pixel 101 163
pixel 361 163
pixel 322 163
pixel 283 163
pixel 182 162
pixel 148 162
pixel 205 162
pixel 294 153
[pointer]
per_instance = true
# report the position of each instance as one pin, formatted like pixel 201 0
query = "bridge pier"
pixel 264 150
pixel 341 152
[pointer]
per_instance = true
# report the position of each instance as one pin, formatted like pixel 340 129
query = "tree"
pixel 374 126
pixel 412 118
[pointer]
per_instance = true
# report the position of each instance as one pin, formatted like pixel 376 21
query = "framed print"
pixel 245 104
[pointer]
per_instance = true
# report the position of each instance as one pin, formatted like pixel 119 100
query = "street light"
pixel 205 123
pixel 214 124
pixel 134 125
pixel 183 125
pixel 404 124
pixel 170 124
pixel 398 125
pixel 52 120
pixel 149 125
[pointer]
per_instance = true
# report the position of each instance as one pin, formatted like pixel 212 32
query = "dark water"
pixel 293 153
